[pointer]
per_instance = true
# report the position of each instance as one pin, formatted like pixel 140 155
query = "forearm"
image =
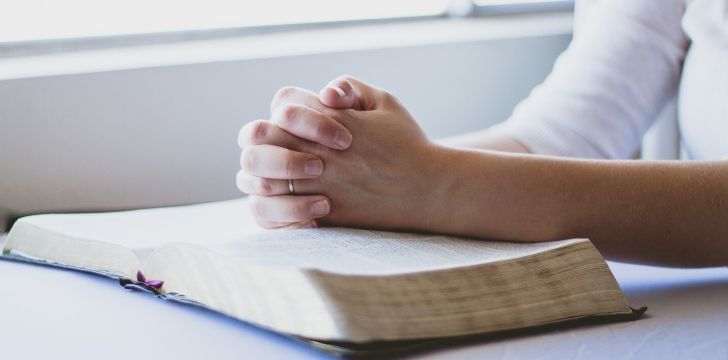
pixel 485 140
pixel 672 213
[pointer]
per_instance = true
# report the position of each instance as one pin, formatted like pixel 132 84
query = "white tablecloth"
pixel 52 313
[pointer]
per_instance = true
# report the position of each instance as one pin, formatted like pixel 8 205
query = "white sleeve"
pixel 607 88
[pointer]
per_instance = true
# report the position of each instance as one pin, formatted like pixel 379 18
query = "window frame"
pixel 53 46
pixel 523 7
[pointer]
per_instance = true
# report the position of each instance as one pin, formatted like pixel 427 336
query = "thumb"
pixel 347 92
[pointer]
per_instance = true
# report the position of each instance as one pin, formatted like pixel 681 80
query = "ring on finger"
pixel 291 189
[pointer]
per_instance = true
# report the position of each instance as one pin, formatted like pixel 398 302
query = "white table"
pixel 49 313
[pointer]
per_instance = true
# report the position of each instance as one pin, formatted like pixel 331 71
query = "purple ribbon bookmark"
pixel 154 284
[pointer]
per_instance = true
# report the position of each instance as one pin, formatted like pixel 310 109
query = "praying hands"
pixel 353 156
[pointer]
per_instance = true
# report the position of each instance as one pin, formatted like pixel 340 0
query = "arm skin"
pixel 660 212
pixel 486 140
pixel 664 213
pixel 668 213
pixel 647 225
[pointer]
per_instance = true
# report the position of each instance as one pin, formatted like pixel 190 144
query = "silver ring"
pixel 291 190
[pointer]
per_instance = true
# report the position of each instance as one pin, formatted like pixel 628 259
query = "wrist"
pixel 490 194
pixel 438 183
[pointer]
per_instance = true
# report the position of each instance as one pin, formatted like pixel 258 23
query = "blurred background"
pixel 115 105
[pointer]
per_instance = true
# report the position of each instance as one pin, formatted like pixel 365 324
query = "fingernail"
pixel 313 167
pixel 320 208
pixel 339 90
pixel 342 139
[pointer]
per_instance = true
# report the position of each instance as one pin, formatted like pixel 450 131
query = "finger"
pixel 295 95
pixel 274 162
pixel 289 208
pixel 287 225
pixel 339 94
pixel 254 185
pixel 334 134
pixel 307 123
pixel 261 132
pixel 365 96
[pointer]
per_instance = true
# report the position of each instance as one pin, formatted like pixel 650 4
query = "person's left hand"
pixel 383 180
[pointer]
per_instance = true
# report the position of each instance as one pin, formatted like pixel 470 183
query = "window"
pixel 500 6
pixel 34 21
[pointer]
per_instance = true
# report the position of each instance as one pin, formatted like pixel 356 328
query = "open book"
pixel 330 284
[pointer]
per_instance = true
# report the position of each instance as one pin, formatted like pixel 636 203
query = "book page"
pixel 228 226
pixel 144 230
pixel 353 251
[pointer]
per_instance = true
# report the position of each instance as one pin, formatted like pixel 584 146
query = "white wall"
pixel 167 135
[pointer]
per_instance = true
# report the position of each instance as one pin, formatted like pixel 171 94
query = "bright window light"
pixel 27 20
pixel 34 20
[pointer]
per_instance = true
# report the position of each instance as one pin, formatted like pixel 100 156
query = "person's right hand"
pixel 287 147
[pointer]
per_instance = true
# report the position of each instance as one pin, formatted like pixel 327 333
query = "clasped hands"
pixel 355 155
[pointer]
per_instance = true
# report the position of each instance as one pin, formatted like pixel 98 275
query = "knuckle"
pixel 265 187
pixel 390 98
pixel 282 94
pixel 258 131
pixel 252 133
pixel 288 113
pixel 386 95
